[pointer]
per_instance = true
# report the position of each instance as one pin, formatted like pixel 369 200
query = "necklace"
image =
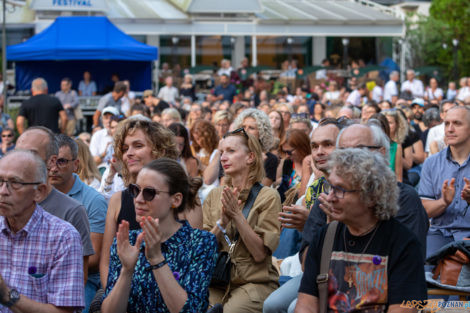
pixel 376 226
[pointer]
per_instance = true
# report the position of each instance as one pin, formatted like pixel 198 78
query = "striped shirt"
pixel 43 261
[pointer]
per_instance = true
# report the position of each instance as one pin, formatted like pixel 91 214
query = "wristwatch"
pixel 14 296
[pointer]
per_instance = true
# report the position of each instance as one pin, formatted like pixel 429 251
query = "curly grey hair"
pixel 368 172
pixel 266 137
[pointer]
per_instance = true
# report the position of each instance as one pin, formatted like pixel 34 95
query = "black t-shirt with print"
pixel 390 271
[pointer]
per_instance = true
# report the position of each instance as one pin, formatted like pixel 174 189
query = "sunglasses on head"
pixel 148 193
pixel 236 131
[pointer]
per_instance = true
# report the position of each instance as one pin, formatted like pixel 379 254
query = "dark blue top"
pixel 228 92
pixel 191 255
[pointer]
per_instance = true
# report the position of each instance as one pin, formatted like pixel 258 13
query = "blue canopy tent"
pixel 72 45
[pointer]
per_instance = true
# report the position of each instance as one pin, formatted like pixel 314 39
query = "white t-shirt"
pixel 99 142
pixel 435 134
pixel 434 95
pixel 390 90
pixel 168 94
pixel 463 94
pixel 377 94
pixel 354 98
pixel 416 87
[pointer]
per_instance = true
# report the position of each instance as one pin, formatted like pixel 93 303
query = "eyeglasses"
pixel 148 193
pixel 300 116
pixel 362 147
pixel 285 112
pixel 336 190
pixel 236 131
pixel 15 185
pixel 62 162
pixel 7 136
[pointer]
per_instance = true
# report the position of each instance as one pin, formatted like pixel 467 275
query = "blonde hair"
pixel 87 169
pixel 256 169
pixel 402 125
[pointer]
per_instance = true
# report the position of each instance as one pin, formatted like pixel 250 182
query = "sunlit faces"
pixel 137 151
pixel 322 144
pixel 275 120
pixel 351 207
pixel 250 126
pixel 235 157
pixel 161 205
pixel 457 127
pixel 393 124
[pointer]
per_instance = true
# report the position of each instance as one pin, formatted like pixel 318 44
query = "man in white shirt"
pixel 415 86
pixel 436 134
pixel 391 89
pixel 356 95
pixel 168 93
pixel 102 139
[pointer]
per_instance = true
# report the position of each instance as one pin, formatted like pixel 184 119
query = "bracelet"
pixel 157 266
pixel 220 227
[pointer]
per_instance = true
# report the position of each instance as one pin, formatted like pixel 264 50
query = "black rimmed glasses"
pixel 336 190
pixel 15 185
pixel 148 193
pixel 236 131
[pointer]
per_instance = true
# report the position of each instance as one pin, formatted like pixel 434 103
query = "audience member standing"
pixel 41 109
pixel 413 85
pixel 391 89
pixel 169 93
pixel 87 87
pixel 69 100
pixel 112 99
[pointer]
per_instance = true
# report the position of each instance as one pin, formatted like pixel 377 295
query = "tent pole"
pixel 4 58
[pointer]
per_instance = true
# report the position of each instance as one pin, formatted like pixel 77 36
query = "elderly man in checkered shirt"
pixel 41 264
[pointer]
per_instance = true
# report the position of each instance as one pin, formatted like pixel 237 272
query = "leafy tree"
pixel 430 38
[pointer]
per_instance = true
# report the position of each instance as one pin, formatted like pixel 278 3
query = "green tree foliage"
pixel 430 38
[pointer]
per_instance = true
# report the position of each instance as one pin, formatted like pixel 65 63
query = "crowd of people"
pixel 178 203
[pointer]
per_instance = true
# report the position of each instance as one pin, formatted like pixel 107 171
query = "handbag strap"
pixel 322 278
pixel 254 191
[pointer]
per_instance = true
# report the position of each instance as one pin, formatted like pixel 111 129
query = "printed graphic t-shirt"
pixel 390 271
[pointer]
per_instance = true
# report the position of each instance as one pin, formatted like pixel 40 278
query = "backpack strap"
pixel 254 191
pixel 322 278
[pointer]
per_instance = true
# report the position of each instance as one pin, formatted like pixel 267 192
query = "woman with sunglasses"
pixel 166 266
pixel 257 123
pixel 253 276
pixel 137 142
pixel 8 141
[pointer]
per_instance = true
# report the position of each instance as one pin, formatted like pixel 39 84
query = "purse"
pixel 223 266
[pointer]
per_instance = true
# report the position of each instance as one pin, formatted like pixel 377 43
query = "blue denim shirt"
pixel 455 221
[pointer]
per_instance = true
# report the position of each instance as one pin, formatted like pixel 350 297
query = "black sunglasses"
pixel 148 193
pixel 236 131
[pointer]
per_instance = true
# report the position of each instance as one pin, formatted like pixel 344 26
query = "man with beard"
pixel 417 107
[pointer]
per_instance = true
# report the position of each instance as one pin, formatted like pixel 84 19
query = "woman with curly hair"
pixel 256 123
pixel 137 142
pixel 398 131
pixel 204 140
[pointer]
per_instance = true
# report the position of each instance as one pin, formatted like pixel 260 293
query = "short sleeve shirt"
pixel 389 271
pixel 42 110
pixel 455 221
pixel 43 261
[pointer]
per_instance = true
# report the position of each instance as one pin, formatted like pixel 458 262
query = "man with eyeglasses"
pixel 375 263
pixel 64 179
pixel 40 254
pixel 411 212
pixel 41 141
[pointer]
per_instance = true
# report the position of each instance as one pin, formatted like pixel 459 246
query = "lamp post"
pixel 174 41
pixel 455 44
pixel 345 42
pixel 289 41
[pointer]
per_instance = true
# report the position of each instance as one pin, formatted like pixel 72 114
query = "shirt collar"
pixel 451 159
pixel 77 186
pixel 29 227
